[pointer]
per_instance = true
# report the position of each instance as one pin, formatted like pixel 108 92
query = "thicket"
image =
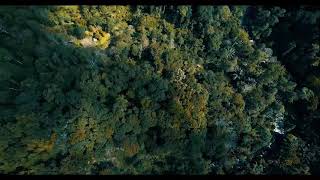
pixel 159 90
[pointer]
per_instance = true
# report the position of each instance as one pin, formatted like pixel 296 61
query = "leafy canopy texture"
pixel 158 90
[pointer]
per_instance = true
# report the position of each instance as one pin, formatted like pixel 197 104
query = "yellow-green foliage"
pixel 142 90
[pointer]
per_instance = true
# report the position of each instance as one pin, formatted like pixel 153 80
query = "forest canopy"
pixel 159 90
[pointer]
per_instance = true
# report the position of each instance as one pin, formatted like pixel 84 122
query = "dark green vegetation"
pixel 159 90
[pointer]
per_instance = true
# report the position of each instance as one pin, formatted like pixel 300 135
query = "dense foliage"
pixel 159 90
